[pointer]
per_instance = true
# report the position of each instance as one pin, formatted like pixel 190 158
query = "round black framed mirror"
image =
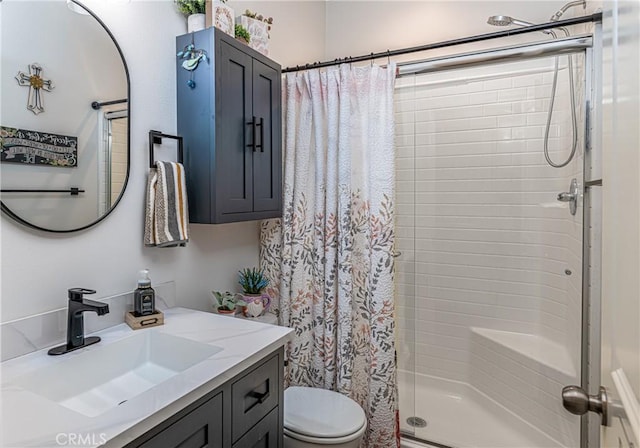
pixel 64 116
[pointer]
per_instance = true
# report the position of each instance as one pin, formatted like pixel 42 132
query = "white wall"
pixel 362 27
pixel 38 268
pixel 298 31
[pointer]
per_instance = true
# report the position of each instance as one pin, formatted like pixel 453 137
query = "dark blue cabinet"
pixel 231 125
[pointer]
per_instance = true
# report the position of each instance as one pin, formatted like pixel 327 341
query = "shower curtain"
pixel 330 258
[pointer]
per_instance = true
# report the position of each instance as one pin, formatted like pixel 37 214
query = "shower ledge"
pixel 536 352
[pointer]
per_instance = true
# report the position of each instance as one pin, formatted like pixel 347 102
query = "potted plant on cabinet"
pixel 242 34
pixel 194 11
pixel 226 302
pixel 253 281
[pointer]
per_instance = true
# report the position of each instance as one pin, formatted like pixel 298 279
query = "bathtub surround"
pixel 330 258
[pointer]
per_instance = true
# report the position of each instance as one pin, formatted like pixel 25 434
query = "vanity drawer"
pixel 254 395
pixel 263 435
pixel 200 428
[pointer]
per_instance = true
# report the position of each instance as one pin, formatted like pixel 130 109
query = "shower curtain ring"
pixel 371 57
pixel 388 57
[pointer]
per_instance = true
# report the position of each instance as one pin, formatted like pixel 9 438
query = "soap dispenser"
pixel 144 298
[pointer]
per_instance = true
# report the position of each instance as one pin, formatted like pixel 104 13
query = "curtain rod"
pixel 597 17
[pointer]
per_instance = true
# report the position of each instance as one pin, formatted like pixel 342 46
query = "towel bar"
pixel 155 138
pixel 73 191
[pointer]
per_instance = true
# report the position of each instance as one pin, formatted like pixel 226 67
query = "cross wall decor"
pixel 36 83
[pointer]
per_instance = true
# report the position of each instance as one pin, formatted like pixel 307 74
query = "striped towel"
pixel 166 213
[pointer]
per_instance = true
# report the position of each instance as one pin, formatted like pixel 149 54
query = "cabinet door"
pixel 267 161
pixel 263 435
pixel 234 132
pixel 200 428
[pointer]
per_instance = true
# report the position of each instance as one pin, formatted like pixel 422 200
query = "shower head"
pixel 506 21
pixel 499 20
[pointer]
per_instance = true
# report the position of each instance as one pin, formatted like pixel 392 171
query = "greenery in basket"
pixel 255 15
pixel 227 300
pixel 242 33
pixel 189 7
pixel 252 280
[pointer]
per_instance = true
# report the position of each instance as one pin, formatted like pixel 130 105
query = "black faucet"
pixel 75 321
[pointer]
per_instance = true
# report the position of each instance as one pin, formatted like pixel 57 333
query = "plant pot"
pixel 195 22
pixel 243 40
pixel 257 304
pixel 226 311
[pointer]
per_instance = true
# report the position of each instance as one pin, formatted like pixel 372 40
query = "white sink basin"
pixel 106 376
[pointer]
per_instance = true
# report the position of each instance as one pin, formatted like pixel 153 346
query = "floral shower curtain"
pixel 330 258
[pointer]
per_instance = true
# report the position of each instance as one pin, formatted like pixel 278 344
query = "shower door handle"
pixel 571 196
pixel 578 402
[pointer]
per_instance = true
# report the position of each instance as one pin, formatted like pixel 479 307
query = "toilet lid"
pixel 321 413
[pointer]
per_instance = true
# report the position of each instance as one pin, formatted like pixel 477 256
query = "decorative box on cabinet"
pixel 245 412
pixel 231 125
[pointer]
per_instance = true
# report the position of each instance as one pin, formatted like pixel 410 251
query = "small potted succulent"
pixel 194 11
pixel 253 281
pixel 226 302
pixel 242 34
pixel 258 27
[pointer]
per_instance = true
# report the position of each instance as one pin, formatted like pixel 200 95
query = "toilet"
pixel 316 417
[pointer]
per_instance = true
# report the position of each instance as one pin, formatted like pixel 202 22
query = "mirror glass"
pixel 64 115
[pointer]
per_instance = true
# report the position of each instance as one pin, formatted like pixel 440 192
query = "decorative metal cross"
pixel 35 82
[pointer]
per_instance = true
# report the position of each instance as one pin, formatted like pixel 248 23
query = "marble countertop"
pixel 30 420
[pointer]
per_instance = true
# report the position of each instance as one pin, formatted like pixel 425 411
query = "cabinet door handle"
pixel 261 124
pixel 252 123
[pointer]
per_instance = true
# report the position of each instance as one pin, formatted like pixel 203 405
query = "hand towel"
pixel 166 211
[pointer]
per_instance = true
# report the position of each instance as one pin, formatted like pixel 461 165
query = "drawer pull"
pixel 260 397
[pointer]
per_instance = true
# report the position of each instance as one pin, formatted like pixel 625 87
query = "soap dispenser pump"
pixel 144 297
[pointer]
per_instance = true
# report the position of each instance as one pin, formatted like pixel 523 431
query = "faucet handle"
pixel 76 294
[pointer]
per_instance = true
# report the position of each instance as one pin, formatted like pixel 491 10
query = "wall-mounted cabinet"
pixel 231 125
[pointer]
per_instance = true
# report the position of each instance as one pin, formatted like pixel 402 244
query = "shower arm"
pixel 561 11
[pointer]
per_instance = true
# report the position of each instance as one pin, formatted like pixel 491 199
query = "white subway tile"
pixel 510 95
pixel 497 109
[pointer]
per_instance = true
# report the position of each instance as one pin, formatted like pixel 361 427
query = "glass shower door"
pixel 405 281
pixel 495 259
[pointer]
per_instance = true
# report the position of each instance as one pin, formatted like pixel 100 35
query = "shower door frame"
pixel 589 45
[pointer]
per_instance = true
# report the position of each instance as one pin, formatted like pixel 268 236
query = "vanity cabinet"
pixel 229 115
pixel 245 412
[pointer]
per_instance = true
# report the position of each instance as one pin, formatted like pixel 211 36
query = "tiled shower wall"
pixel 483 241
pixel 119 129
